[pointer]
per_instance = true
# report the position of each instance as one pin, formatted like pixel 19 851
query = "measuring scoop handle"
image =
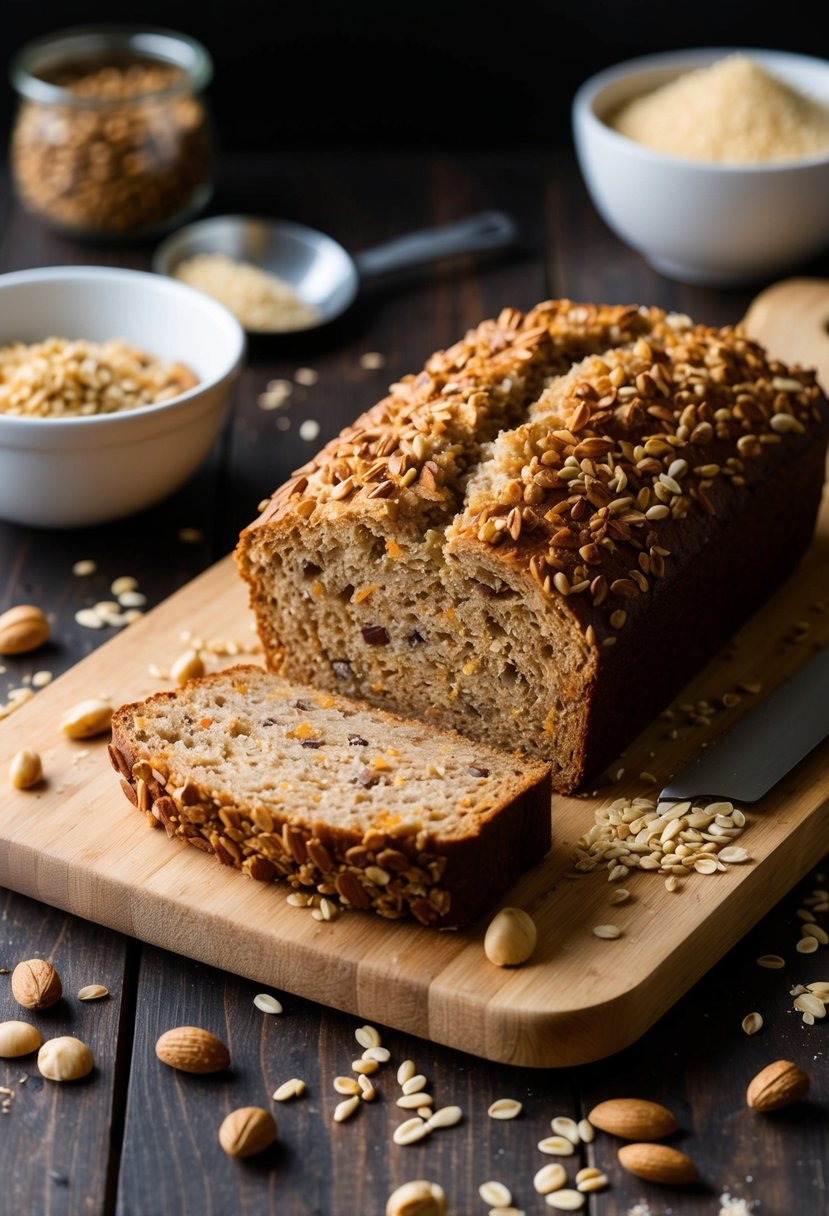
pixel 482 233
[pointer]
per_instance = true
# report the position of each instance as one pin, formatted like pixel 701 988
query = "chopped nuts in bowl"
pixel 133 376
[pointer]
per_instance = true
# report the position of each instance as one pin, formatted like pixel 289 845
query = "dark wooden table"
pixel 140 1140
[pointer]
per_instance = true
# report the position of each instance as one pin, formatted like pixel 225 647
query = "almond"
pixel 777 1085
pixel 22 629
pixel 657 1163
pixel 36 984
pixel 191 1049
pixel 633 1119
pixel 247 1131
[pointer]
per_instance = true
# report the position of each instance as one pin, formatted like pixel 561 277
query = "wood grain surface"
pixel 139 1139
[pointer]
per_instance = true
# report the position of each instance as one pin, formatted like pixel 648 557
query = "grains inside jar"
pixel 125 146
pixel 59 378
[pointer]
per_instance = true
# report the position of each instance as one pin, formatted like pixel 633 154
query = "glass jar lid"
pixel 95 45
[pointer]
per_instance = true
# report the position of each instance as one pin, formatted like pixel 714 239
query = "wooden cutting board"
pixel 77 844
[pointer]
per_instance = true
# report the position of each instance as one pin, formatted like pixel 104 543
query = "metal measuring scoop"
pixel 318 268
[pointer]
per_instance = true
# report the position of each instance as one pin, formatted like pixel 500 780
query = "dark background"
pixel 430 73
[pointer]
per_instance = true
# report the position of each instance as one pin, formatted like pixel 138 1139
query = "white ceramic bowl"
pixel 694 221
pixel 69 472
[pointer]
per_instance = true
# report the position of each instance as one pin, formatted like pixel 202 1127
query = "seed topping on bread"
pixel 502 438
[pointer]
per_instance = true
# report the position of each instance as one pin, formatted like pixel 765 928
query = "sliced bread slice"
pixel 344 801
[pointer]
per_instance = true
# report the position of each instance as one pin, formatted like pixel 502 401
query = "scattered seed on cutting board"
pixel 608 932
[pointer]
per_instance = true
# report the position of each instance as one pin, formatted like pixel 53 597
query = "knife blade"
pixel 766 744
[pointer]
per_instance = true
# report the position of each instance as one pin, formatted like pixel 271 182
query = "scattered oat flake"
pixel 771 962
pixel 190 536
pixel 289 1089
pixel 123 584
pixel 730 1206
pixel 309 429
pixel 609 932
pixel 84 568
pixel 371 360
pixel 267 1003
pixel 89 618
pixel 306 375
pixel 93 992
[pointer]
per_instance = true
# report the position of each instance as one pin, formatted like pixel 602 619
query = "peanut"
pixel 86 719
pixel 25 770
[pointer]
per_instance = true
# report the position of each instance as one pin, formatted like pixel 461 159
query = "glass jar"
pixel 112 138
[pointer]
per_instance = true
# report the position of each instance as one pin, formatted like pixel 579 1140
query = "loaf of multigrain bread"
pixel 287 782
pixel 539 538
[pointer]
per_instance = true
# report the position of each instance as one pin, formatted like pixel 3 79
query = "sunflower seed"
pixel 410 1131
pixel 495 1194
pixel 556 1146
pixel 550 1178
pixel 607 931
pixel 447 1116
pixel 367 1036
pixel 564 1126
pixel 406 1071
pixel 771 962
pixel 565 1201
pixel 93 992
pixel 289 1089
pixel 345 1109
pixel 267 1003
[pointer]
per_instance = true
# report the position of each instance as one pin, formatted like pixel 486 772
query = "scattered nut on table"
pixel 22 629
pixel 18 1039
pixel 36 984
pixel 25 770
pixel 777 1085
pixel 87 719
pixel 188 666
pixel 191 1049
pixel 633 1119
pixel 657 1163
pixel 418 1198
pixel 510 938
pixel 65 1059
pixel 247 1131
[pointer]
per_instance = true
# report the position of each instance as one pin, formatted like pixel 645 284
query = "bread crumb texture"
pixel 284 781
